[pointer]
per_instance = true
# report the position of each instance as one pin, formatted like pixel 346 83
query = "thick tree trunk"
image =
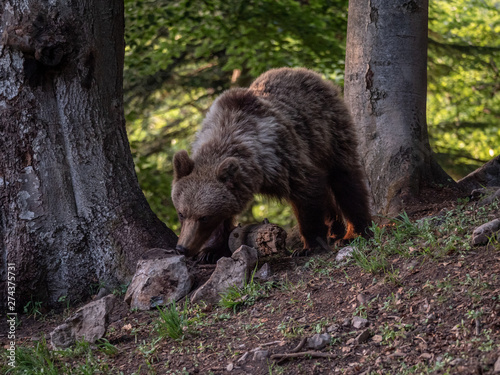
pixel 72 213
pixel 385 88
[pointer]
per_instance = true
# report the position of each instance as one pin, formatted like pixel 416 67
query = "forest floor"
pixel 430 299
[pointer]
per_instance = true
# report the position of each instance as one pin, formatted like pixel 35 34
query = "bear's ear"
pixel 228 171
pixel 183 164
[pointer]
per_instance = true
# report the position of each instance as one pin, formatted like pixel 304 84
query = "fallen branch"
pixel 308 354
pixel 280 343
pixel 300 346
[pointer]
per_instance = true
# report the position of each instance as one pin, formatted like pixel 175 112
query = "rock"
pixel 363 336
pixel 264 273
pixel 228 272
pixel 318 341
pixel 158 281
pixel 62 336
pixel 377 338
pixel 483 233
pixel 333 328
pixel 358 322
pixel 266 238
pixel 260 355
pixel 344 253
pixel 89 323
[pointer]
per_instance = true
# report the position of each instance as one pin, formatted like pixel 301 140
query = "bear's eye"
pixel 203 219
pixel 181 216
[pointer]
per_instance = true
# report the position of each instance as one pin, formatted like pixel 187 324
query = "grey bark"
pixel 71 210
pixel 385 88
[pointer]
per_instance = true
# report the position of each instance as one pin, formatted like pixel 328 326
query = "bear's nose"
pixel 181 249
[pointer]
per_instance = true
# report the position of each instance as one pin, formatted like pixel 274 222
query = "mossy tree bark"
pixel 71 210
pixel 385 88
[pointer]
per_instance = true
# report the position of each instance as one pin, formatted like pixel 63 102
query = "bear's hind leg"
pixel 351 197
pixel 334 220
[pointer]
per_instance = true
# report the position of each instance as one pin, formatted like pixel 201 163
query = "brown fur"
pixel 288 136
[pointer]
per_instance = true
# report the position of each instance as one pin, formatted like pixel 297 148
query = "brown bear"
pixel 288 136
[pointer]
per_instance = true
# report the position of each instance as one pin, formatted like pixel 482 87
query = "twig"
pixel 311 354
pixel 300 346
pixel 478 327
pixel 272 343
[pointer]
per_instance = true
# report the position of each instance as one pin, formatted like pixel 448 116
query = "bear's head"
pixel 204 199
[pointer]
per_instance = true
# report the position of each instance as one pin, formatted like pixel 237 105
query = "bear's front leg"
pixel 310 215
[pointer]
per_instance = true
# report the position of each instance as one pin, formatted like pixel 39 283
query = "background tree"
pixel 385 87
pixel 72 214
pixel 463 108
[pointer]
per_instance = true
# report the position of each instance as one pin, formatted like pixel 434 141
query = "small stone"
pixel 260 355
pixel 345 252
pixel 377 338
pixel 264 273
pixel 318 341
pixel 302 320
pixel 358 322
pixel 483 233
pixel 230 367
pixel 363 336
pixel 346 322
pixel 333 328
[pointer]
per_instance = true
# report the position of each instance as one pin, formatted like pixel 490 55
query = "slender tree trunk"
pixel 72 213
pixel 385 87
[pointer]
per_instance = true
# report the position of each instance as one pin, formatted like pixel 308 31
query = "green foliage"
pixel 433 237
pixel 33 309
pixel 464 101
pixel 37 360
pixel 40 359
pixel 236 297
pixel 172 323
